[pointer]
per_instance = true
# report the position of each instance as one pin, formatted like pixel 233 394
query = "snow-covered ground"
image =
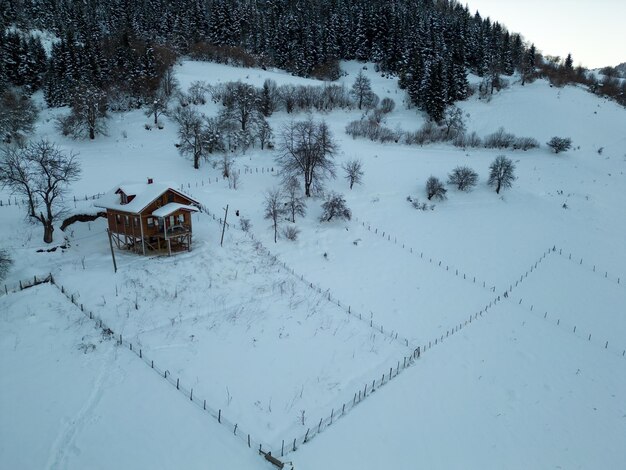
pixel 257 337
pixel 72 399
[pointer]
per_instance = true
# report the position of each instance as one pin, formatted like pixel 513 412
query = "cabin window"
pixel 150 222
pixel 181 218
pixel 124 199
pixel 172 220
pixel 160 219
pixel 126 220
pixel 136 221
pixel 118 219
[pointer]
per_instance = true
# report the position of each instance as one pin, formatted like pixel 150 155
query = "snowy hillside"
pixel 516 302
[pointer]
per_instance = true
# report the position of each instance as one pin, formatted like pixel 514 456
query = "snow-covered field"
pixel 257 337
pixel 73 399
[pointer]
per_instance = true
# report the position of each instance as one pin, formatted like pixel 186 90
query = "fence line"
pixel 164 373
pixel 213 180
pixel 24 202
pixel 439 263
pixel 573 329
pixel 578 260
pixel 25 284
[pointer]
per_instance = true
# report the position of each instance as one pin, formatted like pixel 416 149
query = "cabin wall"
pixel 125 223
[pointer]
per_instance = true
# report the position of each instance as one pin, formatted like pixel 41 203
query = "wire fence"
pixel 369 388
pixel 592 267
pixel 390 333
pixel 214 180
pixel 187 392
pixel 25 284
pixel 386 235
pixel 108 332
pixel 23 202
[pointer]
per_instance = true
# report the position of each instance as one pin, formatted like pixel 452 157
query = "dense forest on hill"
pixel 122 48
pixel 122 44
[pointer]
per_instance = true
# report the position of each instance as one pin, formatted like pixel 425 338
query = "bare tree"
pixel 453 122
pixel 354 171
pixel 168 85
pixel 16 173
pixel 191 135
pixel 287 94
pixel 213 135
pixel 307 149
pixel 5 263
pixel 241 105
pixel 265 134
pixel 560 144
pixel 435 189
pixel 17 116
pixel 294 203
pixel 159 106
pixel 463 177
pixel 226 165
pixel 197 92
pixel 335 206
pixel 49 172
pixel 274 208
pixel 501 173
pixel 362 91
pixel 88 116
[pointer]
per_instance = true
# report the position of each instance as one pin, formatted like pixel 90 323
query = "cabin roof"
pixel 144 194
pixel 172 207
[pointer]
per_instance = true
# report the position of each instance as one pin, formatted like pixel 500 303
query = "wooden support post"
pixel 112 252
pixel 224 225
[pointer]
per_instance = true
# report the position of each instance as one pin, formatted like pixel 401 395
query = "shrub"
pixel 463 177
pixel 467 140
pixel 291 232
pixel 525 143
pixel 560 144
pixel 435 189
pixel 387 105
pixel 499 140
pixel 371 130
pixel 420 206
pixel 335 207
pixel 245 224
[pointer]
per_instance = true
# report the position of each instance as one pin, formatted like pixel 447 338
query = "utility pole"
pixel 112 252
pixel 224 226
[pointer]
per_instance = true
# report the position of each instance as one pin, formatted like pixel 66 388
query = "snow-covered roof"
pixel 172 207
pixel 144 194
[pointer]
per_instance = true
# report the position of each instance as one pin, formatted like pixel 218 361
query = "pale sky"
pixel 593 31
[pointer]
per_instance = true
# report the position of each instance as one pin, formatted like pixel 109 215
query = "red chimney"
pixel 150 181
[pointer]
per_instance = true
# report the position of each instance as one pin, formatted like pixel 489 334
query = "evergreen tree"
pixel 435 98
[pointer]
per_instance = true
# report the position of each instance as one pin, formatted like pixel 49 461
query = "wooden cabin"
pixel 149 217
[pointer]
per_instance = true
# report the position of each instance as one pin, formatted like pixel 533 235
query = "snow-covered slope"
pixel 277 340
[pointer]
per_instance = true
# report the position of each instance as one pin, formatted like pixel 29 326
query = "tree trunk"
pixel 47 232
pixel 498 188
pixel 351 183
pixel 92 134
pixel 307 189
pixel 275 232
